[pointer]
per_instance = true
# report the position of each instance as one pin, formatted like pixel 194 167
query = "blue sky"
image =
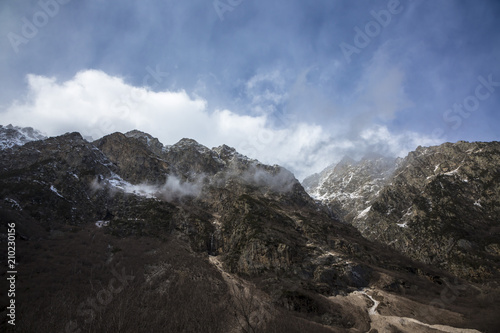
pixel 291 82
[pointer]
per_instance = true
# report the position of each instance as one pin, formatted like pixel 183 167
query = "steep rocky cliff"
pixel 443 208
pixel 440 205
pixel 349 186
pixel 257 217
pixel 11 136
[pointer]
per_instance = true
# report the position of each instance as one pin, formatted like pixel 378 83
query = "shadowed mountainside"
pixel 84 211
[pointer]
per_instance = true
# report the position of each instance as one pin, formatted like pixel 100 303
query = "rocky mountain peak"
pixel 139 134
pixel 11 136
pixel 187 143
pixel 346 161
pixel 348 186
pixel 71 137
pixel 155 145
pixel 427 205
pixel 225 152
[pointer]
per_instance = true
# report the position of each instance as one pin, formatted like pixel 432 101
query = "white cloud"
pixel 379 138
pixel 95 104
pixel 172 190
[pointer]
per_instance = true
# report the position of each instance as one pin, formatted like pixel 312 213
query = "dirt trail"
pixel 253 308
pixel 385 323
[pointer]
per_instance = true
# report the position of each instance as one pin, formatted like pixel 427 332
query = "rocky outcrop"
pixel 134 158
pixel 348 187
pixel 443 208
pixel 11 136
pixel 439 205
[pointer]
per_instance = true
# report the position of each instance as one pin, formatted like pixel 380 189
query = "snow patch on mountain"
pixel 364 212
pixel 173 188
pixel 53 189
pixel 11 136
pixel 349 186
pixel 13 203
pixel 451 173
pixel 101 224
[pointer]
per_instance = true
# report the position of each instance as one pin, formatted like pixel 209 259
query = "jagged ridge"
pixel 439 205
pixel 257 219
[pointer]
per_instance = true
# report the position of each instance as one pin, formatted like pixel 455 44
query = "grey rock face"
pixel 349 186
pixel 256 217
pixel 11 136
pixel 440 205
pixel 443 208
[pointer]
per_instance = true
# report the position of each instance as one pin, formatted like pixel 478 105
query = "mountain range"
pixel 125 234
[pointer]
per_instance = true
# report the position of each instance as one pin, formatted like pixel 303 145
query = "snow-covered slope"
pixel 11 136
pixel 439 205
pixel 349 186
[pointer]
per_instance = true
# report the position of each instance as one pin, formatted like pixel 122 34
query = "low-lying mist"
pixel 282 181
pixel 173 189
pixel 275 179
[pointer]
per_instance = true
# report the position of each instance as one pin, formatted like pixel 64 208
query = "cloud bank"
pixel 95 104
